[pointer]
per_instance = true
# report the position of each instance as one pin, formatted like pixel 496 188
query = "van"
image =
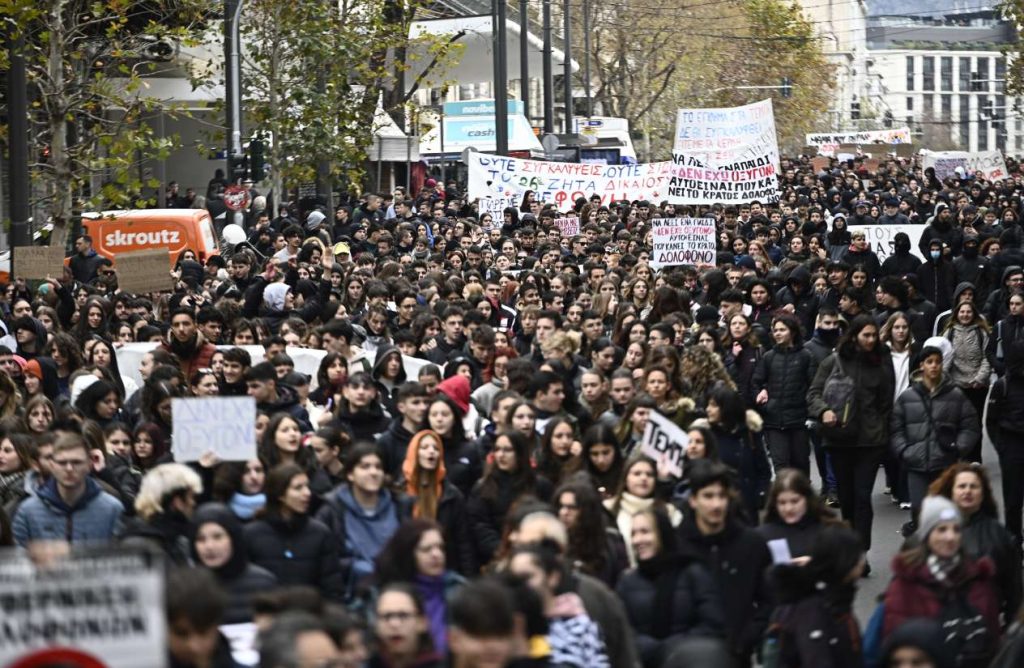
pixel 174 230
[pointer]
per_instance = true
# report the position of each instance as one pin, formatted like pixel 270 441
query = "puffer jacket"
pixel 1004 417
pixel 298 551
pixel 786 374
pixel 875 379
pixel 969 364
pixel 1007 331
pixel 984 536
pixel 931 430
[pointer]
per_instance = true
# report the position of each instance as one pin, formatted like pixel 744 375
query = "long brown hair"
pixel 943 486
pixel 796 481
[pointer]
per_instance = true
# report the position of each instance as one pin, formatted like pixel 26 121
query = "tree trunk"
pixel 62 179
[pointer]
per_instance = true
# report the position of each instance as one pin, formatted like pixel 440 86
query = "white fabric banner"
pixel 989 163
pixel 882 238
pixel 828 142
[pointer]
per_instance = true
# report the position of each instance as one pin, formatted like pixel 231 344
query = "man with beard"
pixel 185 341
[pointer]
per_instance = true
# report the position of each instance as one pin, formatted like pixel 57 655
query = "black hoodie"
pixel 901 262
pixel 288 402
pixel 386 395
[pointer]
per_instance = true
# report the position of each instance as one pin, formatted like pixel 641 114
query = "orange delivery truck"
pixel 116 232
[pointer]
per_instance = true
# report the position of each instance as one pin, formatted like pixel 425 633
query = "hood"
pixel 901 243
pixel 1012 269
pixel 383 352
pixel 960 287
pixel 50 496
pixel 219 514
pixel 274 296
pixel 800 275
pixel 286 398
pixel 456 388
pixel 314 219
pixel 384 504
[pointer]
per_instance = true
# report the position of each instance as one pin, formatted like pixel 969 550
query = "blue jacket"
pixel 96 516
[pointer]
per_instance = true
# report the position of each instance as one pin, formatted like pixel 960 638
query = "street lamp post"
pixel 17 133
pixel 233 87
pixel 567 69
pixel 500 80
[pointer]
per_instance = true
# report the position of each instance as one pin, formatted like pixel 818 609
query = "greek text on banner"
pixel 560 183
pixel 679 241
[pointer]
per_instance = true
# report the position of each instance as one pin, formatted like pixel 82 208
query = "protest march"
pixel 734 408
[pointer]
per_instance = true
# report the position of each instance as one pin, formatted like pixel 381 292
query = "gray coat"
pixel 932 430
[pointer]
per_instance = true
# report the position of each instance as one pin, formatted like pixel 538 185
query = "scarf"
pixel 245 506
pixel 436 608
pixel 940 568
pixel 628 505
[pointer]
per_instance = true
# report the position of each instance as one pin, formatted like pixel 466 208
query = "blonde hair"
pixel 162 483
pixel 568 343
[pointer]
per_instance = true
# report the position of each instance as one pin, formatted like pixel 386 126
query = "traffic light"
pixel 787 87
pixel 257 160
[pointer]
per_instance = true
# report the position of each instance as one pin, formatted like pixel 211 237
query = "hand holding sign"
pixel 221 427
pixel 665 443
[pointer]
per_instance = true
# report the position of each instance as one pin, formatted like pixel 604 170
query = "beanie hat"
pixel 707 314
pixel 32 368
pixel 456 388
pixel 934 511
pixel 926 635
pixel 942 343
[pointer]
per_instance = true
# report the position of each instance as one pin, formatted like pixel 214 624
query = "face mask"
pixel 970 251
pixel 935 254
pixel 829 336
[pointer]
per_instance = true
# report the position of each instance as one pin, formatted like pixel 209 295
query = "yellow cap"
pixel 341 248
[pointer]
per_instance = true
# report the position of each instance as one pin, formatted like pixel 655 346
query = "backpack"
pixel 840 395
pixel 965 632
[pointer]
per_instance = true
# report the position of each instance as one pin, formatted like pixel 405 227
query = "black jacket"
pixel 1006 332
pixel 392 445
pixel 813 627
pixel 737 558
pixel 458 536
pixel 164 532
pixel 786 373
pixel 799 537
pixel 678 599
pixel 299 551
pixel 937 281
pixel 805 303
pixel 364 425
pixel 875 380
pixel 984 536
pixel 288 402
pixel 932 430
pixel 486 514
pixel 1004 416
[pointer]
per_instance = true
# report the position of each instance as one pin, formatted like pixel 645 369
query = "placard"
pixel 665 443
pixel 882 238
pixel 225 426
pixel 828 143
pixel 683 241
pixel 726 155
pixel 494 177
pixel 105 605
pixel 569 227
pixel 904 150
pixel 872 165
pixel 820 163
pixel 36 263
pixel 143 272
pixel 945 163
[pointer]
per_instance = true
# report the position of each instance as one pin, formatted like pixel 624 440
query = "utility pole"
pixel 524 55
pixel 17 133
pixel 549 80
pixel 567 70
pixel 500 80
pixel 233 89
pixel 586 56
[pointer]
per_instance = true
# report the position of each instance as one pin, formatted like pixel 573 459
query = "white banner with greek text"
pixel 683 241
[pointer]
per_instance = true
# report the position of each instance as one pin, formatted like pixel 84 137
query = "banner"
pixel 682 241
pixel 493 177
pixel 828 142
pixel 882 238
pixel 728 155
pixel 105 607
pixel 665 442
pixel 569 227
pixel 225 426
pixel 989 163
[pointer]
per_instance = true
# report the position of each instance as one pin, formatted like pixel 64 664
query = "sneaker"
pixel 832 500
pixel 887 491
pixel 905 505
pixel 908 528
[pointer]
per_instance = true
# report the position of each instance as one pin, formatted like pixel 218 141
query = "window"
pixel 982 76
pixel 910 73
pixel 965 122
pixel 928 108
pixel 855 111
pixel 910 103
pixel 947 108
pixel 1000 77
pixel 928 73
pixel 984 113
pixel 946 72
pixel 965 75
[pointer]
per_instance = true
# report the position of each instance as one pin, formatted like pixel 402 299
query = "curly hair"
pixel 702 368
pixel 943 485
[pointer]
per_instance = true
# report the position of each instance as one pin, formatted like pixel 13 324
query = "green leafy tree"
pixel 88 107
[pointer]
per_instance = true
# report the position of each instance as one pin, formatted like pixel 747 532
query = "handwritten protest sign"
pixel 989 163
pixel 144 271
pixel 664 442
pixel 569 227
pixel 820 163
pixel 683 241
pixel 496 205
pixel 225 426
pixel 728 155
pixel 882 238
pixel 38 262
pixel 904 150
pixel 494 177
pixel 828 142
pixel 106 606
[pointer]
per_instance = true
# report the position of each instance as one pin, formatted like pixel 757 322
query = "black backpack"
pixel 965 632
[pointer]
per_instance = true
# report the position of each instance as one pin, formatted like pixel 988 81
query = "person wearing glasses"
pixel 70 506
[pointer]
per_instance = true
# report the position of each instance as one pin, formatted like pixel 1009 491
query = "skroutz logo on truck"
pixel 120 238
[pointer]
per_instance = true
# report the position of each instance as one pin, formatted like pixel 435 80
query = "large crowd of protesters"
pixel 465 480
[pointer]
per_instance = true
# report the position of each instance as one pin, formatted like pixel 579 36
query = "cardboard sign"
pixel 38 262
pixel 904 150
pixel 142 272
pixel 664 442
pixel 828 142
pixel 225 426
pixel 569 227
pixel 820 163
pixel 683 241
pixel 872 165
pixel 107 606
pixel 809 151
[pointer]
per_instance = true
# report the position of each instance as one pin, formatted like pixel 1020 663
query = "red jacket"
pixel 201 359
pixel 914 592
